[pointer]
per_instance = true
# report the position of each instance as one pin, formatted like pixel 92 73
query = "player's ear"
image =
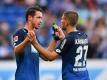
pixel 67 22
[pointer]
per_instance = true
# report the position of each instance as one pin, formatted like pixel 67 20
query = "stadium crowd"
pixel 92 20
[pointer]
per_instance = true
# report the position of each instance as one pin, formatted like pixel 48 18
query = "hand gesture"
pixel 31 36
pixel 59 33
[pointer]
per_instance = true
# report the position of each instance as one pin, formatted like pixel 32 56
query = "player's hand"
pixel 31 36
pixel 60 33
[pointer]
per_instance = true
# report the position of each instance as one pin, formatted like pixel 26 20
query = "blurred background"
pixel 92 20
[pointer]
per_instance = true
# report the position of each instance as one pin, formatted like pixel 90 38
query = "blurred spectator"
pixel 8 2
pixel 5 50
pixel 80 4
pixel 102 49
pixel 43 4
pixel 89 25
pixel 94 42
pixel 55 7
pixel 92 4
pixel 5 42
pixel 30 2
pixel 67 5
pixel 43 36
pixel 20 23
pixel 97 38
pixel 101 28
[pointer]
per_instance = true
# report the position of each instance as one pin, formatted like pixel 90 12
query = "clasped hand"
pixel 31 36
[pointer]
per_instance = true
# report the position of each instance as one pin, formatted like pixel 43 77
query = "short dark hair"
pixel 72 17
pixel 31 11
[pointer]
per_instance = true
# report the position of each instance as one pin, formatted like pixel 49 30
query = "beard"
pixel 33 25
pixel 63 28
pixel 36 27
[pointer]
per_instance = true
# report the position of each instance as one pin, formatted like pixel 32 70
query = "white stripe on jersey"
pixel 33 49
pixel 63 43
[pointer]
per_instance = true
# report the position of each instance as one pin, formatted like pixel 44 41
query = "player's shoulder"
pixel 81 34
pixel 20 31
pixel 77 34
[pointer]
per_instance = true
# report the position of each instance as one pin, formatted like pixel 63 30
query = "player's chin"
pixel 63 28
pixel 37 27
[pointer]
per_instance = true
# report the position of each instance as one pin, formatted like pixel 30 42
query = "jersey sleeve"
pixel 18 37
pixel 62 47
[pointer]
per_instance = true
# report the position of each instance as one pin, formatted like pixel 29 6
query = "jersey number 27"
pixel 80 59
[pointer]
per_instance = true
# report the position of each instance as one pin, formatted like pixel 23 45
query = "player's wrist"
pixel 27 40
pixel 34 42
pixel 55 37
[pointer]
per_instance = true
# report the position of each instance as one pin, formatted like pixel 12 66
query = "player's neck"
pixel 70 29
pixel 28 26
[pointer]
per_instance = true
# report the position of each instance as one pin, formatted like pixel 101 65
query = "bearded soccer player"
pixel 27 58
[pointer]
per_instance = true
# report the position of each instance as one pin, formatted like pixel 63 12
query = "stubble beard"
pixel 33 26
pixel 63 28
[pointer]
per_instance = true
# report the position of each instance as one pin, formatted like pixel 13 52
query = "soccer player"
pixel 73 49
pixel 27 58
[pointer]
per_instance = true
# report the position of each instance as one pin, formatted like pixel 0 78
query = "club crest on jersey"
pixel 15 38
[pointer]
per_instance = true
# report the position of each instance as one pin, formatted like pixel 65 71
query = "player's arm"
pixel 20 42
pixel 44 58
pixel 52 54
pixel 49 54
pixel 51 48
pixel 52 45
pixel 18 49
pixel 31 36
